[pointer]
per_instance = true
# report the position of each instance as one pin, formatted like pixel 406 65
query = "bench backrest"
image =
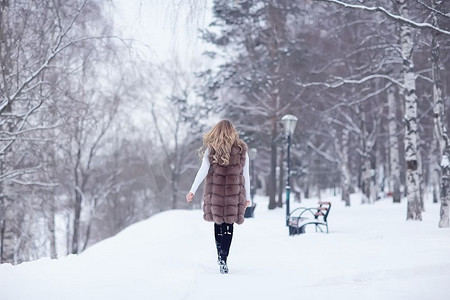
pixel 323 210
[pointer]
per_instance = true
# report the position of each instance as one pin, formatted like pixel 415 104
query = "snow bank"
pixel 370 253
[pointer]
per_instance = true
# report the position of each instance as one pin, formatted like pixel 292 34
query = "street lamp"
pixel 289 122
pixel 252 155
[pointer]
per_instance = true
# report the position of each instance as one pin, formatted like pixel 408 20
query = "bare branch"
pixel 28 130
pixel 426 78
pixel 447 15
pixel 420 25
pixel 43 184
pixel 324 154
pixel 351 126
pixel 21 125
pixel 54 52
pixel 342 81
pixel 15 173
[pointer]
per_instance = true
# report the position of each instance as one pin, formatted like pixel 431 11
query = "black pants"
pixel 223 234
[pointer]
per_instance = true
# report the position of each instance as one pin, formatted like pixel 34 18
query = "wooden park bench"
pixel 302 216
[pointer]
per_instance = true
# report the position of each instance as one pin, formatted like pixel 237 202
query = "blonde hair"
pixel 221 138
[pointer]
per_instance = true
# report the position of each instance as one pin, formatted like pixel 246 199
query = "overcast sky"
pixel 168 27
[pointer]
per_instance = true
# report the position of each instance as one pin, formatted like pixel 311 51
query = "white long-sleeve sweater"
pixel 204 168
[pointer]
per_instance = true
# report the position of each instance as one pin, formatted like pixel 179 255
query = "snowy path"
pixel 371 253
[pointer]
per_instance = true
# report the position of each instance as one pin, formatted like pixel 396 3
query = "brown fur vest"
pixel 224 195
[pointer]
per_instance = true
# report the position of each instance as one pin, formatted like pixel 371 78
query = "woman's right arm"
pixel 201 174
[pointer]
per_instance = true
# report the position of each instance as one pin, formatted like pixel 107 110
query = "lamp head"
pixel 289 123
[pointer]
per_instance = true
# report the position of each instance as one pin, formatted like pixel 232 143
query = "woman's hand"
pixel 189 197
pixel 247 203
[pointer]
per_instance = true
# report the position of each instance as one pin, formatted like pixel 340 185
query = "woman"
pixel 227 185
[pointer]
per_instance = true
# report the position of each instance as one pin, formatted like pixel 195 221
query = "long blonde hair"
pixel 221 138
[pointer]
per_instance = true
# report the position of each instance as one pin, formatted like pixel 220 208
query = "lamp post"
pixel 250 210
pixel 289 122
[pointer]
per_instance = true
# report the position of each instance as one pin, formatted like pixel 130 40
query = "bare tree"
pixel 178 124
pixel 85 128
pixel 440 122
pixel 342 151
pixel 414 210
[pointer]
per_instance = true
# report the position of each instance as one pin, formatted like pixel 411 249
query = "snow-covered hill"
pixel 370 253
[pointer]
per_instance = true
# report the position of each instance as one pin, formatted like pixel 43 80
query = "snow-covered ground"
pixel 370 253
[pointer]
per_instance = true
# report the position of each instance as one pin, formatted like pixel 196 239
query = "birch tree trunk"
pixel 52 227
pixel 272 186
pixel 365 156
pixel 440 124
pixel 414 207
pixel 341 141
pixel 394 156
pixel 344 166
pixel 434 168
pixel 77 214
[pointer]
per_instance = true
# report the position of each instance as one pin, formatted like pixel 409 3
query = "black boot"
pixel 223 266
pixel 224 235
